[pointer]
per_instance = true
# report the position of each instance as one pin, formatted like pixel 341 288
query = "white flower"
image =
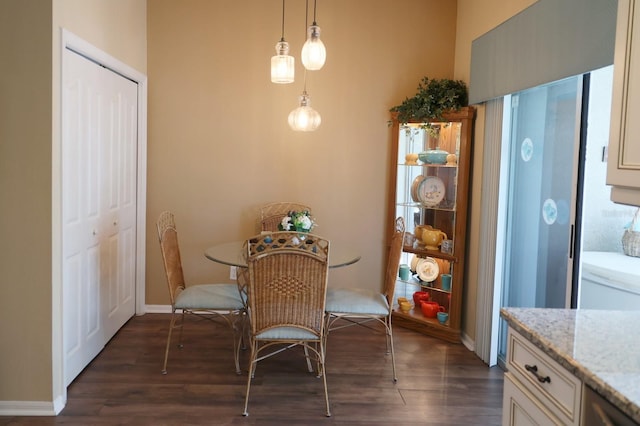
pixel 286 226
pixel 304 222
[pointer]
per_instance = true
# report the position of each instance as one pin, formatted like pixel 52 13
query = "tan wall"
pixel 25 200
pixel 474 19
pixel 29 79
pixel 219 142
pixel 219 145
pixel 118 27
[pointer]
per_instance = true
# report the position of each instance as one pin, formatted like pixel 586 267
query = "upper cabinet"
pixel 623 168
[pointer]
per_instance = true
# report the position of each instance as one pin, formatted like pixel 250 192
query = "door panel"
pixel 98 203
pixel 544 144
pixel 119 220
pixel 80 216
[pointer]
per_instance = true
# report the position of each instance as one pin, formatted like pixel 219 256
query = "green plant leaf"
pixel 432 99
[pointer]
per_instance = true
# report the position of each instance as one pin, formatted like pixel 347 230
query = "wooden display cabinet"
pixel 434 195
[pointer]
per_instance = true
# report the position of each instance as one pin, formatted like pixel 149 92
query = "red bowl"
pixel 419 297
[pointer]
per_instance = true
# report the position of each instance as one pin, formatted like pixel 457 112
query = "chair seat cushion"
pixel 286 333
pixel 357 301
pixel 210 296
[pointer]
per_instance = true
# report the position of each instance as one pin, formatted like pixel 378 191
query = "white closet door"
pixel 119 199
pixel 99 144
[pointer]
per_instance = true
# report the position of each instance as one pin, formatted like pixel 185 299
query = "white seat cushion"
pixel 210 296
pixel 286 333
pixel 356 301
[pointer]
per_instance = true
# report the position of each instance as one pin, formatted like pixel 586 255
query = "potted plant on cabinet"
pixel 432 99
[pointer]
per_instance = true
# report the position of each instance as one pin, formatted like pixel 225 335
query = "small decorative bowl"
pixel 405 306
pixel 433 156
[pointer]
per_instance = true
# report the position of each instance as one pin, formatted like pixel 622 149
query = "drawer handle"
pixel 533 369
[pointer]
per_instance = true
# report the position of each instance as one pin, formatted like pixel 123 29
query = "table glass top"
pixel 231 254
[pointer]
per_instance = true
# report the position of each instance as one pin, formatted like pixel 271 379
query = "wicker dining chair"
pixel 215 302
pixel 358 306
pixel 287 283
pixel 272 214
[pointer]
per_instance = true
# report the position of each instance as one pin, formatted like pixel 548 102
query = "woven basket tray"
pixel 631 238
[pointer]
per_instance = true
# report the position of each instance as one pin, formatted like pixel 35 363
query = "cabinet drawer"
pixel 520 408
pixel 551 383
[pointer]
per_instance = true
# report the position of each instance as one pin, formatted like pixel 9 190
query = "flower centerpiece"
pixel 297 221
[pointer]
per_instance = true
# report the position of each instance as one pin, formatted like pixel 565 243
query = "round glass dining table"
pixel 231 254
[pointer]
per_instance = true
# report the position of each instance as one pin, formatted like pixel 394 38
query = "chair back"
pixel 393 261
pixel 287 281
pixel 272 214
pixel 168 236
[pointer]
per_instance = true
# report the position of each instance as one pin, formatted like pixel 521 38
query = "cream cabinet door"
pixel 623 168
pixel 521 408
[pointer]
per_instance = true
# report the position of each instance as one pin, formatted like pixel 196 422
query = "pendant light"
pixel 282 64
pixel 304 118
pixel 314 54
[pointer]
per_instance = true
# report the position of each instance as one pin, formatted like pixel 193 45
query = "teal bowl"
pixel 433 156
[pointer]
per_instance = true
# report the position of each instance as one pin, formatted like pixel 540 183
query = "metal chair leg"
pixel 237 341
pixel 252 367
pixel 180 345
pixel 393 357
pixel 306 355
pixel 166 351
pixel 324 378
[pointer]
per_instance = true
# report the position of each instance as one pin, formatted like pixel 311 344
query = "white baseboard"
pixel 158 309
pixel 468 342
pixel 28 408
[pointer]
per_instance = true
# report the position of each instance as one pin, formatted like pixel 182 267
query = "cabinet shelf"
pixel 425 165
pixel 449 216
pixel 414 320
pixel 423 285
pixel 446 208
pixel 423 252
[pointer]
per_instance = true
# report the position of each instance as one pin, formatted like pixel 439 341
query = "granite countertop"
pixel 602 348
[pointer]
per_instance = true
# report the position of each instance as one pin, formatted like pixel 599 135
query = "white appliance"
pixel 609 281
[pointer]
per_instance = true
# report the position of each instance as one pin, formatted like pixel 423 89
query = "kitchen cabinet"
pixel 565 365
pixel 429 182
pixel 537 390
pixel 623 166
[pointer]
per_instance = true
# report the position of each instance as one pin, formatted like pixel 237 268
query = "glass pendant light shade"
pixel 314 54
pixel 304 118
pixel 282 65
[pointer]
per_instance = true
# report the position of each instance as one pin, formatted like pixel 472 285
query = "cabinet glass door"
pixel 426 198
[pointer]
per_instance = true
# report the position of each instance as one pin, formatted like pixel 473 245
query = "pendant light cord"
pixel 306 24
pixel 315 4
pixel 282 36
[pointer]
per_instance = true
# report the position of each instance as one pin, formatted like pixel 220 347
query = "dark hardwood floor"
pixel 438 383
